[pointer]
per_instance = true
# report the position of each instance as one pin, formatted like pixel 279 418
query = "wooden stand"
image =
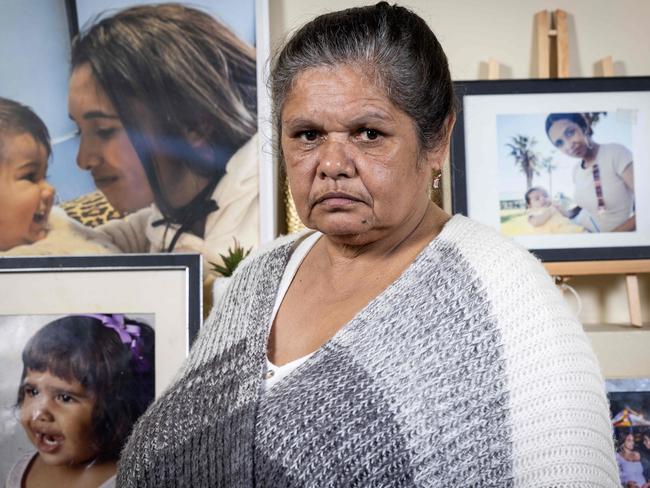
pixel 630 268
pixel 552 34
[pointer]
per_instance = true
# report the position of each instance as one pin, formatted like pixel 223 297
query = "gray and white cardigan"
pixel 469 370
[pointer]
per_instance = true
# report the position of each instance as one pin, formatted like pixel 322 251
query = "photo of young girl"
pixel 85 381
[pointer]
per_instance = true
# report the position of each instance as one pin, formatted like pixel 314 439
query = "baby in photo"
pixel 545 216
pixel 29 224
pixel 86 379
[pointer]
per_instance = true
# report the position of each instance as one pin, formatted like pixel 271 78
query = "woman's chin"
pixel 342 225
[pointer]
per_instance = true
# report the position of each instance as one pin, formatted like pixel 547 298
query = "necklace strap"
pixel 595 171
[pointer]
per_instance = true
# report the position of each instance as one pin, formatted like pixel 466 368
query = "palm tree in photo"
pixel 521 148
pixel 547 165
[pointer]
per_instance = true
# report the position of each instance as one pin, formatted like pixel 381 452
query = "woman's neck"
pixel 590 157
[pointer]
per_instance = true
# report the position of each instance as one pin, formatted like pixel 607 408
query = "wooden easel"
pixel 553 62
pixel 552 34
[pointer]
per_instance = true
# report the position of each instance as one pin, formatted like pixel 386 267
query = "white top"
pixel 20 468
pixel 237 217
pixel 612 160
pixel 272 373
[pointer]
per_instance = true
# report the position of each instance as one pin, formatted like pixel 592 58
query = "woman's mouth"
pixel 104 181
pixel 48 443
pixel 337 199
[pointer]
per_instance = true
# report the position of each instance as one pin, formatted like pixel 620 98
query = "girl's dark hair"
pixel 170 70
pixel 576 118
pixel 16 119
pixel 80 348
pixel 393 44
pixel 531 190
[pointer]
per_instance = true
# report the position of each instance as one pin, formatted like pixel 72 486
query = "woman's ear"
pixel 436 157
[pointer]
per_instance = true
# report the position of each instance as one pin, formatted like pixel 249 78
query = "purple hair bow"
pixel 129 335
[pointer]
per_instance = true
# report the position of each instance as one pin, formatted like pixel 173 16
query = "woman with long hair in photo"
pixel 165 100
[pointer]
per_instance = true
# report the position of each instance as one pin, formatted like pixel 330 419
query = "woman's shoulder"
pixel 514 280
pixel 614 152
pixel 484 247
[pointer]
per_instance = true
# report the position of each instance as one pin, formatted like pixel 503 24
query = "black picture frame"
pixel 477 125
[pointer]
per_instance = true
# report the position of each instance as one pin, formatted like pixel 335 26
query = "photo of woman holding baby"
pixel 165 101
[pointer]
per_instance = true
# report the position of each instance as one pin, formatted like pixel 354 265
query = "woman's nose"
pixel 86 157
pixel 335 161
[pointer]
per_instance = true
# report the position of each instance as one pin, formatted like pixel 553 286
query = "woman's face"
pixel 57 417
pixel 25 195
pixel 629 442
pixel 352 157
pixel 569 138
pixel 105 149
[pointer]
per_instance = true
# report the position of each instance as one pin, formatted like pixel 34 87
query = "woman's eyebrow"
pixel 372 116
pixel 98 114
pixel 95 114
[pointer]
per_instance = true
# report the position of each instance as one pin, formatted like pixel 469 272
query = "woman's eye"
pixel 105 133
pixel 569 132
pixel 559 143
pixel 308 135
pixel 369 134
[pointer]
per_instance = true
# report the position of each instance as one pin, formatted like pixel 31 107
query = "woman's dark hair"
pixel 81 348
pixel 621 435
pixel 576 118
pixel 391 43
pixel 171 70
pixel 16 119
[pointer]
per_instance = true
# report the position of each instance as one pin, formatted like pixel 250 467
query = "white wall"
pixel 472 31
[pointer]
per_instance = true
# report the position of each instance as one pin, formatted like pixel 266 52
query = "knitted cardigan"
pixel 468 370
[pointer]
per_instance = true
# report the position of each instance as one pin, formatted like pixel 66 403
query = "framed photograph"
pixel 164 288
pixel 629 401
pixel 88 318
pixel 92 186
pixel 562 166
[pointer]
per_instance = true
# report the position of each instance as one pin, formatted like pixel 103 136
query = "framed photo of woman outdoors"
pixel 562 166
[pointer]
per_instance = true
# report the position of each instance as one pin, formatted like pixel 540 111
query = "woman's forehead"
pixel 336 88
pixel 558 127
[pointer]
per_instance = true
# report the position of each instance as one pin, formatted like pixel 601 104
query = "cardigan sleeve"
pixel 558 413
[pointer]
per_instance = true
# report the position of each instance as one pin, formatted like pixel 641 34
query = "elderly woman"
pixel 165 100
pixel 394 345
